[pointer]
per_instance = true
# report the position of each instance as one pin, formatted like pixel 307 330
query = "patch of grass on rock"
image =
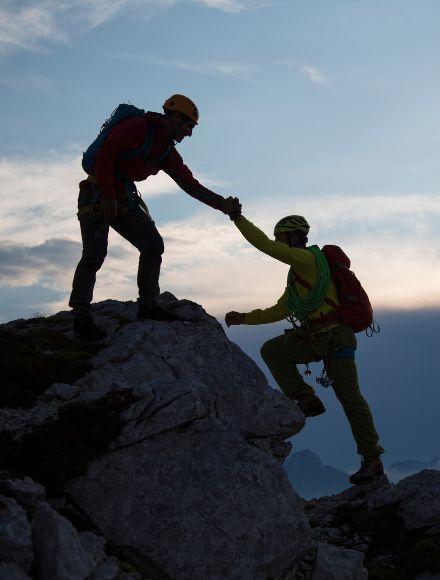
pixel 31 360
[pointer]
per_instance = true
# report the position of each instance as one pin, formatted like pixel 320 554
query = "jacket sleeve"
pixel 273 314
pixel 182 175
pixel 299 258
pixel 126 135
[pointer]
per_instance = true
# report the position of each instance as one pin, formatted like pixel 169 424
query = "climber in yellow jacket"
pixel 319 337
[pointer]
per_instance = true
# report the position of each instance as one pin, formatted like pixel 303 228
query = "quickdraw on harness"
pixel 347 352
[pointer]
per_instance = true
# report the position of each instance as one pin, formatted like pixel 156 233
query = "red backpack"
pixel 354 305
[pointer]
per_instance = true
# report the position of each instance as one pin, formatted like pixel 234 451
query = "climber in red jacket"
pixel 108 197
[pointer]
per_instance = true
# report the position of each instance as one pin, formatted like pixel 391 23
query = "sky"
pixel 326 109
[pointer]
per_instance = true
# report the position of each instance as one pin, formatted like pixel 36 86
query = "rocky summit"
pixel 157 454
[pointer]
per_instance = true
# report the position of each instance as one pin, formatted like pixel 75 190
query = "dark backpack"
pixel 354 307
pixel 121 113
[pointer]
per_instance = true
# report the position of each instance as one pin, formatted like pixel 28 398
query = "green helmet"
pixel 291 223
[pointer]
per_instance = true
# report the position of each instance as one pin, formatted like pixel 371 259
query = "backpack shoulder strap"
pixel 297 278
pixel 143 149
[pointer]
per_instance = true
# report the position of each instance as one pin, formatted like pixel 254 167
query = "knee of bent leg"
pixel 152 245
pixel 343 373
pixel 266 350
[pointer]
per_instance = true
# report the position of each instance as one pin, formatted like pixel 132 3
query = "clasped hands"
pixel 232 207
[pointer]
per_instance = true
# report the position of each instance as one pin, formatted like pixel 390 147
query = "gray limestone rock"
pixel 199 490
pixel 12 572
pixel 381 519
pixel 189 482
pixel 419 497
pixel 58 550
pixel 333 563
pixel 15 534
pixel 107 570
pixel 94 545
pixel 62 391
pixel 25 491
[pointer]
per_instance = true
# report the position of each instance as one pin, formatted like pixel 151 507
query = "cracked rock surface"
pixel 396 527
pixel 167 450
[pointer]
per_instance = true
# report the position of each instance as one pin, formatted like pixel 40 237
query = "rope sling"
pixel 303 306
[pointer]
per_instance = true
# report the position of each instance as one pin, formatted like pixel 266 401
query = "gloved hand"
pixel 232 207
pixel 233 318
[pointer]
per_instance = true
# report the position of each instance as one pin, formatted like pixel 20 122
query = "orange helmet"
pixel 183 105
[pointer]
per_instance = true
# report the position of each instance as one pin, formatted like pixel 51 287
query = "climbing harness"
pixel 93 205
pixel 348 352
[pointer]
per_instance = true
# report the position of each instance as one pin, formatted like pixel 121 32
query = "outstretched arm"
pixel 277 250
pixel 265 316
pixel 184 178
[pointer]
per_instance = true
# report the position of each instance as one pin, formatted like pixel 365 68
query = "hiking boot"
pixel 371 468
pixel 310 405
pixel 87 329
pixel 155 312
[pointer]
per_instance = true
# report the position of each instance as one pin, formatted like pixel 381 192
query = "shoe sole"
pixel 368 480
pixel 315 413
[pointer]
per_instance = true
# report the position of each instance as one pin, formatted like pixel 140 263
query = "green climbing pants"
pixel 283 353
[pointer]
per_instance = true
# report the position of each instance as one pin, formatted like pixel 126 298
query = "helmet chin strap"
pixel 297 245
pixel 177 126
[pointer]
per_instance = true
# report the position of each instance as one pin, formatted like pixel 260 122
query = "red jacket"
pixel 130 134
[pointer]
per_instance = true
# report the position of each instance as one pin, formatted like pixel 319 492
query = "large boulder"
pixel 168 447
pixel 15 534
pixel 396 527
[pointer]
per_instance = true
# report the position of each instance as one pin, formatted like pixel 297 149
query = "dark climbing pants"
pixel 283 353
pixel 135 226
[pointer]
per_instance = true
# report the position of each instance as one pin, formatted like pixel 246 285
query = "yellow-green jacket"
pixel 303 263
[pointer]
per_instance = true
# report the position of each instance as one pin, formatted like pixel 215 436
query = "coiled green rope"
pixel 302 307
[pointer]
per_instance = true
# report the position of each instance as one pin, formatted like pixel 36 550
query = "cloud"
pixel 392 241
pixel 313 74
pixel 233 6
pixel 227 69
pixel 27 301
pixel 42 194
pixel 40 242
pixel 221 69
pixel 25 26
pixel 395 252
pixel 23 265
pixel 29 82
pixel 32 24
